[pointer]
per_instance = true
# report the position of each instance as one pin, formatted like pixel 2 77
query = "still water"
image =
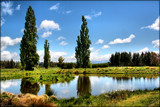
pixel 81 85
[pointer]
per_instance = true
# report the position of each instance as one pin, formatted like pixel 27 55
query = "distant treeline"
pixel 9 64
pixel 135 59
pixel 13 64
pixel 117 59
pixel 74 65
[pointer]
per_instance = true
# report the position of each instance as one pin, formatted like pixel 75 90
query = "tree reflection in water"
pixel 28 87
pixel 83 86
pixel 48 90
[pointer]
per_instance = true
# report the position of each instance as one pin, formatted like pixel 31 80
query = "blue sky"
pixel 131 26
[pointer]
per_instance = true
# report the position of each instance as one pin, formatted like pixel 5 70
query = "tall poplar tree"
pixel 46 54
pixel 83 43
pixel 28 55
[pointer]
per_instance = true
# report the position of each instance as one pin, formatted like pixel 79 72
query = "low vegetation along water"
pixel 64 86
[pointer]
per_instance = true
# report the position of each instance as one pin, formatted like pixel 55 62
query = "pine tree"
pixel 46 54
pixel 83 43
pixel 136 59
pixel 117 58
pixel 112 59
pixel 12 64
pixel 147 58
pixel 28 56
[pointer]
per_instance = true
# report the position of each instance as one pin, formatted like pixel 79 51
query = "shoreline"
pixel 116 98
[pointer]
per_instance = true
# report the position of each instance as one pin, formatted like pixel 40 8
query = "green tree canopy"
pixel 83 43
pixel 46 54
pixel 60 60
pixel 28 55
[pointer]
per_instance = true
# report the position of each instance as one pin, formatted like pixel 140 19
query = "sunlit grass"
pixel 17 73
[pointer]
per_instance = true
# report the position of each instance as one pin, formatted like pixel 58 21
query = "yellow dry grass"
pixel 27 100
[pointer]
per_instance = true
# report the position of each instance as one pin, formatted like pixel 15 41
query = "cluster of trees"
pixel 9 64
pixel 28 55
pixel 101 65
pixel 137 59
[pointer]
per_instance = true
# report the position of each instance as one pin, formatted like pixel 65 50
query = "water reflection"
pixel 83 86
pixel 28 87
pixel 47 88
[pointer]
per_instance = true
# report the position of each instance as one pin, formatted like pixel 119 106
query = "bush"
pixel 89 64
pixel 53 64
pixel 100 65
pixel 68 65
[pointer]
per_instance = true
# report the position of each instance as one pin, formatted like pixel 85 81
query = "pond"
pixel 81 85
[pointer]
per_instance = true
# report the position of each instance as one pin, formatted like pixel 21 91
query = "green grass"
pixel 118 98
pixel 107 70
pixel 51 78
pixel 7 74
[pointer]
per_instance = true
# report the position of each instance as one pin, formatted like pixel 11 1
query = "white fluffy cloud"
pixel 54 55
pixel 6 55
pixel 91 48
pixel 156 43
pixel 46 34
pixel 7 41
pixel 100 41
pixel 105 47
pixel 154 26
pixel 89 17
pixel 54 7
pixel 18 7
pixel 144 50
pixel 61 38
pixel 7 8
pixel 94 56
pixel 49 25
pixel 70 58
pixel 63 43
pixel 126 40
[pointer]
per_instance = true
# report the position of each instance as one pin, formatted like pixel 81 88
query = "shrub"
pixel 100 65
pixel 76 72
pixel 89 64
pixel 53 64
pixel 68 65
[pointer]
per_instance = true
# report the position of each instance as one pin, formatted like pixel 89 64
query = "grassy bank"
pixel 118 98
pixel 107 70
pixel 7 74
